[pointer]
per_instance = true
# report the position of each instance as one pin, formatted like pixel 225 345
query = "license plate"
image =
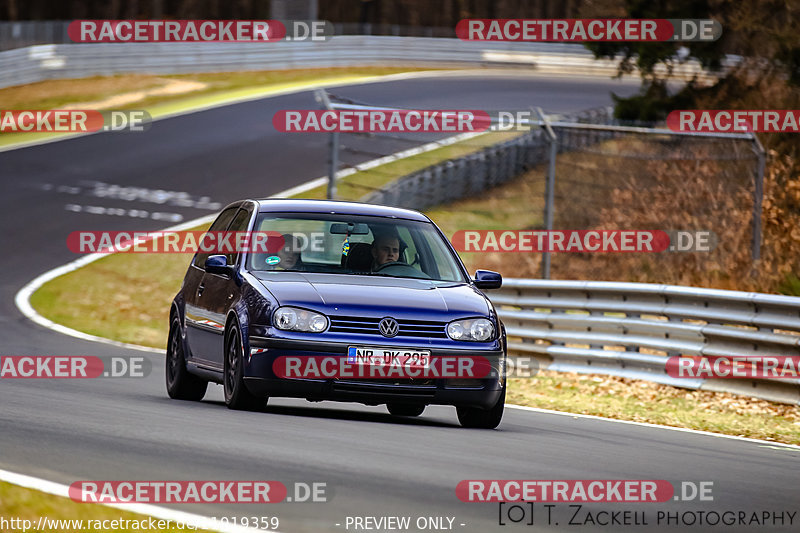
pixel 377 356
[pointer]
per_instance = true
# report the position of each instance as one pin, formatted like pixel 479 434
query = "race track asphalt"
pixel 373 464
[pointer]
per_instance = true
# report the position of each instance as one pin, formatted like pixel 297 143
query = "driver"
pixel 289 254
pixel 385 249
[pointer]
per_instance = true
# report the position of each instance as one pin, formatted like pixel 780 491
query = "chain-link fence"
pixel 488 167
pixel 638 180
pixel 607 176
pixel 490 160
pixel 661 181
pixel 465 176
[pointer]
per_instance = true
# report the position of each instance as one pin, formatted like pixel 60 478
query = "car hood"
pixel 377 295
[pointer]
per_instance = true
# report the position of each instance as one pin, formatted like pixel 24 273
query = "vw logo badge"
pixel 388 327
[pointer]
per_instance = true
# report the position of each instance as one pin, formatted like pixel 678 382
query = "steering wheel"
pixel 398 268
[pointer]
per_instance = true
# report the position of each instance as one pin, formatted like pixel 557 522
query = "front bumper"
pixel 261 379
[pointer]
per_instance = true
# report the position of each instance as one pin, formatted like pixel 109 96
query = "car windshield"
pixel 349 244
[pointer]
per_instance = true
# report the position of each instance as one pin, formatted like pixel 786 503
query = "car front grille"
pixel 369 326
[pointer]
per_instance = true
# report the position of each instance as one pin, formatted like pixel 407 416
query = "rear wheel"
pixel 236 394
pixel 405 409
pixel 474 417
pixel 181 385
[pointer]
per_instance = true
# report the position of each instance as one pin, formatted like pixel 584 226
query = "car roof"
pixel 291 205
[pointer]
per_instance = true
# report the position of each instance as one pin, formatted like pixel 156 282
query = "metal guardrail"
pixel 17 34
pixel 54 61
pixel 463 177
pixel 631 329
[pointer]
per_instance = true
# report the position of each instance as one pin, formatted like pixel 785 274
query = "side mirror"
pixel 486 279
pixel 218 264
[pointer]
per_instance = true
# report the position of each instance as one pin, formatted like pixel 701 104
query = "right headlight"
pixel 473 329
pixel 295 319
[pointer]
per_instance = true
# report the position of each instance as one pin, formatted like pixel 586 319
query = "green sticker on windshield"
pixel 273 260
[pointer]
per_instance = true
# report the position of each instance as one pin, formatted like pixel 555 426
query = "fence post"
pixel 333 159
pixel 549 203
pixel 758 196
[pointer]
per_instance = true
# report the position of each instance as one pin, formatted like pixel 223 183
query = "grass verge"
pixel 28 504
pixel 643 401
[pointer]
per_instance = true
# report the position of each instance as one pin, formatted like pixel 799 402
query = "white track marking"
pixel 122 212
pixel 195 520
pixel 23 297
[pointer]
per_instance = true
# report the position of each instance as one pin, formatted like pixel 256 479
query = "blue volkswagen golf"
pixel 350 291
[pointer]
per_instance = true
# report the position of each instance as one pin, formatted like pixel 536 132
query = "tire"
pixel 405 409
pixel 181 385
pixel 474 417
pixel 236 394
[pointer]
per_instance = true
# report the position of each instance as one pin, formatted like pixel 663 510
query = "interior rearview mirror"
pixel 343 228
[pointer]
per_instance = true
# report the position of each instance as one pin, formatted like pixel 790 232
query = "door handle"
pixel 200 289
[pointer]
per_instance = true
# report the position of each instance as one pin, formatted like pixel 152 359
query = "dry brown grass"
pixel 644 401
pixel 636 183
pixel 53 93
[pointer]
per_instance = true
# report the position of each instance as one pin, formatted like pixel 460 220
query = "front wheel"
pixel 474 417
pixel 181 385
pixel 236 394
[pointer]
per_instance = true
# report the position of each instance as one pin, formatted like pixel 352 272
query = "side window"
pixel 240 222
pixel 220 224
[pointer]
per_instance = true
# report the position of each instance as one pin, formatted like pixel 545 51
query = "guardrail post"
pixel 549 189
pixel 333 159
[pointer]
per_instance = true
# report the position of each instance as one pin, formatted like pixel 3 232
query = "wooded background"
pixel 404 12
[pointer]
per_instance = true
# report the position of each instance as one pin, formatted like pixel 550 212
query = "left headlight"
pixel 474 329
pixel 295 319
